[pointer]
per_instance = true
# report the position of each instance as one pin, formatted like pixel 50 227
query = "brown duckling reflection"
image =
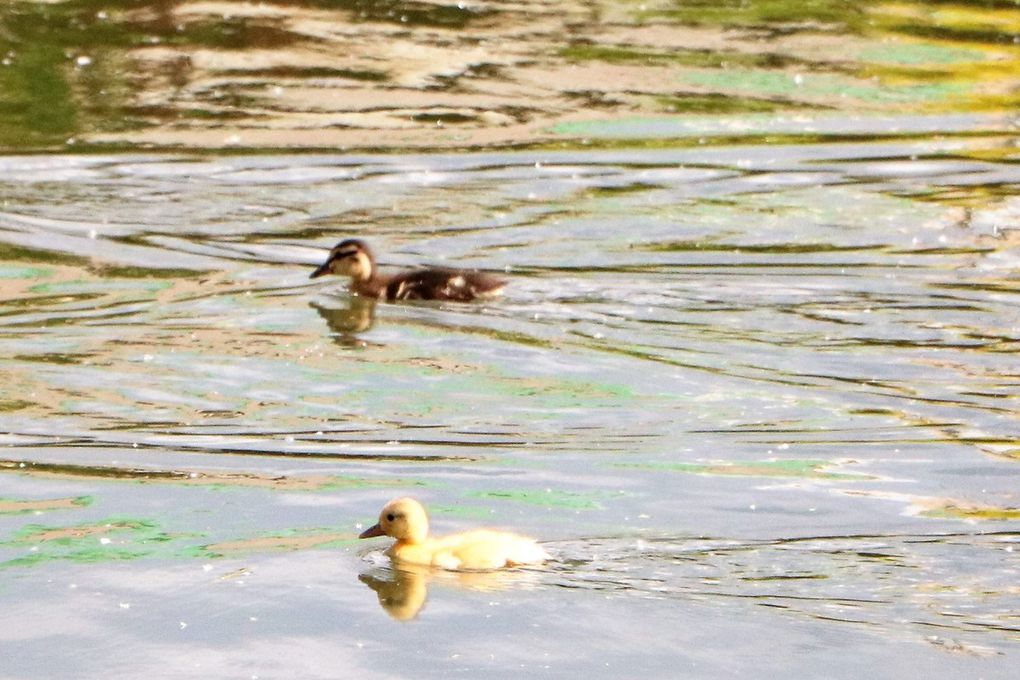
pixel 403 588
pixel 353 258
pixel 358 316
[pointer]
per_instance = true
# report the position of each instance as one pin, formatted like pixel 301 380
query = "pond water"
pixel 757 401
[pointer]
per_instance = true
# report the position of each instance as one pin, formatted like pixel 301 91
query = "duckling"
pixel 353 258
pixel 405 520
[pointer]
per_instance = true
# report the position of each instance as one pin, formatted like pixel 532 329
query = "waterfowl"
pixel 354 258
pixel 405 520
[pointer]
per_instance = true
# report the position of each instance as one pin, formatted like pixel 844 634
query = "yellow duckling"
pixel 405 520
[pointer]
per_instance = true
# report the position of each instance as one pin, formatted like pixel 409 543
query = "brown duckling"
pixel 353 258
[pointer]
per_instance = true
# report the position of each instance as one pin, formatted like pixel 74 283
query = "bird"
pixel 405 519
pixel 353 258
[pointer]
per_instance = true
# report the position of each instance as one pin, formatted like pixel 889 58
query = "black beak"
pixel 322 270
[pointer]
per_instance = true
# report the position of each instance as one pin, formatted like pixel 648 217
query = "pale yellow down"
pixel 405 520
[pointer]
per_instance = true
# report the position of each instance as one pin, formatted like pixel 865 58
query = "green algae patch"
pixel 756 13
pixel 82 287
pixel 572 500
pixel 286 541
pixel 465 511
pixel 823 86
pixel 121 538
pixel 922 54
pixel 717 103
pixel 293 483
pixel 800 469
pixel 697 58
pixel 15 272
pixel 107 540
pixel 7 405
pixel 942 507
pixel 219 480
pixel 15 506
pixel 972 512
pixel 338 483
pixel 67 535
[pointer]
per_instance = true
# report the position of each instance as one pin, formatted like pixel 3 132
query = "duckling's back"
pixel 443 284
pixel 485 549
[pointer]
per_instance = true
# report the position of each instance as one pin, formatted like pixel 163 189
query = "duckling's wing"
pixel 442 284
pixel 486 549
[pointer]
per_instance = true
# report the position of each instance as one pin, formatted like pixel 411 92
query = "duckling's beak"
pixel 322 269
pixel 374 530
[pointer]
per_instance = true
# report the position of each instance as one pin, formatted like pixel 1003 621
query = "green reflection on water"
pixel 734 13
pixel 74 70
pixel 42 48
pixel 698 58
pixel 37 107
pixel 454 15
pixel 14 253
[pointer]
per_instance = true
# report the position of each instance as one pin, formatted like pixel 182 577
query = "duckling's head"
pixel 403 519
pixel 349 258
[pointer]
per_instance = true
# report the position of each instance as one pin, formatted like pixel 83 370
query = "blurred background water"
pixel 753 382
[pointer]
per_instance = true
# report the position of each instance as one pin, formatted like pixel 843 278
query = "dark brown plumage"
pixel 353 258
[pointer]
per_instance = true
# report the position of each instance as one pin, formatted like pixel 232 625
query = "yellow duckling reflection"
pixel 405 520
pixel 401 596
pixel 403 588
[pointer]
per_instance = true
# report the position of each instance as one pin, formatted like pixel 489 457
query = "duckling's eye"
pixel 390 517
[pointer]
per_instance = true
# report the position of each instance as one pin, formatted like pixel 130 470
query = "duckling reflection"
pixel 403 588
pixel 345 322
pixel 402 591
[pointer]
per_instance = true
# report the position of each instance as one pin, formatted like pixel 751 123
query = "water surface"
pixel 757 401
pixel 753 382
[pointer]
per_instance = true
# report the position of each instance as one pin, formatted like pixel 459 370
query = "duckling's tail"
pixel 527 553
